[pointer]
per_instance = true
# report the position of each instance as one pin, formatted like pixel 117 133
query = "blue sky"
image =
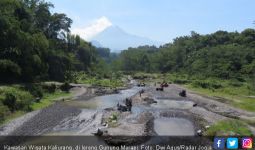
pixel 160 20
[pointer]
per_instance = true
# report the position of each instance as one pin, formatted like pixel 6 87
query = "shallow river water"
pixel 173 127
pixel 91 112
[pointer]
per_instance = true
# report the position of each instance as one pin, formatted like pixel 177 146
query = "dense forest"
pixel 37 45
pixel 222 54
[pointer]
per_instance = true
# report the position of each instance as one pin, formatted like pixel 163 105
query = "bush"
pixel 235 83
pixel 50 88
pixel 35 90
pixel 10 101
pixel 140 76
pixel 180 81
pixel 207 84
pixel 4 111
pixel 65 87
pixel 16 99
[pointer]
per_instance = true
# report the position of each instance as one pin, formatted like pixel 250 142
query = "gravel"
pixel 7 129
pixel 47 119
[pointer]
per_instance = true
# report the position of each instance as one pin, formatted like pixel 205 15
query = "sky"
pixel 159 20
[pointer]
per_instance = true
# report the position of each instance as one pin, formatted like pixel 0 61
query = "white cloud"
pixel 93 29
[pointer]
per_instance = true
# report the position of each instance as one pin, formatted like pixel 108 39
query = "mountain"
pixel 117 39
pixel 96 43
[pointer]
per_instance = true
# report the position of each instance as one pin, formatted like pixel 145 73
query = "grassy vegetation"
pixel 49 99
pixel 229 127
pixel 113 82
pixel 12 116
pixel 142 75
pixel 16 100
pixel 233 92
pixel 102 82
pixel 113 119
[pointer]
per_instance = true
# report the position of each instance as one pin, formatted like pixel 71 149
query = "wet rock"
pixel 128 104
pixel 160 89
pixel 122 108
pixel 103 91
pixel 98 132
pixel 207 127
pixel 128 107
pixel 149 100
pixel 183 93
pixel 109 109
pixel 141 85
pixel 164 84
pixel 100 91
pixel 199 132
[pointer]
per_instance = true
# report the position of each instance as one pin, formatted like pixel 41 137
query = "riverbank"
pixel 47 117
pixel 153 113
pixel 19 99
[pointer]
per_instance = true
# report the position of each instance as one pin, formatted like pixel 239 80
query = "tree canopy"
pixel 221 54
pixel 36 44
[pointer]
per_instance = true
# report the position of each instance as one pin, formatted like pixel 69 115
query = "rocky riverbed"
pixel 93 111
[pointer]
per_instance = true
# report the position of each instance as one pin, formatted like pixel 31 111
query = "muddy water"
pixel 90 117
pixel 173 127
pixel 106 101
pixel 172 104
pixel 91 113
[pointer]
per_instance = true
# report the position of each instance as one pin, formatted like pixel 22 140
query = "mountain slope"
pixel 117 39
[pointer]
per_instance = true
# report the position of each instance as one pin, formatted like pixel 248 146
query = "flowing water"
pixel 91 113
pixel 89 118
pixel 105 101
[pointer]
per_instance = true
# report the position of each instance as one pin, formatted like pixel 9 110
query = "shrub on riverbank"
pixel 65 87
pixel 113 82
pixel 15 98
pixel 18 99
pixel 35 89
pixel 207 84
pixel 4 112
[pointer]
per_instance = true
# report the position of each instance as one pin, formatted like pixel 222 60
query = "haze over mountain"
pixel 117 39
